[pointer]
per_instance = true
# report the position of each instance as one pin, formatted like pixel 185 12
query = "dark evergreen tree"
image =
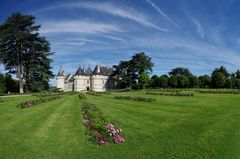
pixel 20 44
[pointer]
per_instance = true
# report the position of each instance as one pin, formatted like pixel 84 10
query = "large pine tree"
pixel 24 52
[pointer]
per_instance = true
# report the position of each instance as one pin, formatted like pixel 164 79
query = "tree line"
pixel 135 74
pixel 25 53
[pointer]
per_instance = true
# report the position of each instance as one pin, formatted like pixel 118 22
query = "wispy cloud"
pixel 109 8
pixel 84 40
pixel 78 27
pixel 162 13
pixel 199 27
pixel 115 38
pixel 238 41
pixel 195 48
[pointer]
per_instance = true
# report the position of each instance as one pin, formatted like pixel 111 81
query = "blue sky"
pixel 198 34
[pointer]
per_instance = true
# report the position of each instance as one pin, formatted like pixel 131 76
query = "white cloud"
pixel 199 27
pixel 108 8
pixel 78 27
pixel 162 13
pixel 194 48
pixel 115 38
pixel 238 41
pixel 83 40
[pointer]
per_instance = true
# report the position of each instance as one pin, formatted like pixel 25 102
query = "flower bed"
pixel 82 96
pixel 181 94
pixel 30 103
pixel 98 129
pixel 134 98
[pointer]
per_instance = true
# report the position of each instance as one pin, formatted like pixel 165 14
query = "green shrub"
pixel 82 96
pixel 135 98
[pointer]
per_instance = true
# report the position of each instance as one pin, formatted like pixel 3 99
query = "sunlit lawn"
pixel 204 126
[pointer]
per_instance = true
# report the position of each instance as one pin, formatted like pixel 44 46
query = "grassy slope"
pixel 204 126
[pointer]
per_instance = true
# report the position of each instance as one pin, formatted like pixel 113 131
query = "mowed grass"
pixel 204 126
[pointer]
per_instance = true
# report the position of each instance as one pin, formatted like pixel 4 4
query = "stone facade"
pixel 86 80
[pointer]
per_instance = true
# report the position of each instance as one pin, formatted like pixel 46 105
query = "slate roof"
pixel 88 71
pixel 105 71
pixel 60 72
pixel 69 78
pixel 80 71
pixel 98 70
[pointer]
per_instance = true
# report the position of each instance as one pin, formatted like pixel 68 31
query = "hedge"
pixel 94 93
pixel 181 94
pixel 135 98
pixel 30 103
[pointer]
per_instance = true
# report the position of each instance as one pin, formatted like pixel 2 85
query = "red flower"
pixel 98 134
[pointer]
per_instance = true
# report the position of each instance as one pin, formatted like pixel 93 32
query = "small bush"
pixel 82 96
pixel 134 98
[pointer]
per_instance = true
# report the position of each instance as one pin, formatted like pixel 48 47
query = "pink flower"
pixel 110 126
pixel 102 142
pixel 29 104
pixel 118 139
pixel 86 122
pixel 97 133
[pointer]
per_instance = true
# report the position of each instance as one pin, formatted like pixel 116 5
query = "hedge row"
pixel 30 103
pixel 181 94
pixel 82 96
pixel 98 129
pixel 164 90
pixel 43 95
pixel 94 93
pixel 135 98
pixel 214 91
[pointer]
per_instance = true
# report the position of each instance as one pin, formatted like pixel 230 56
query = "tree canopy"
pixel 133 72
pixel 24 52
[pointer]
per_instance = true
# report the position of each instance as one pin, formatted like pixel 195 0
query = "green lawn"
pixel 204 126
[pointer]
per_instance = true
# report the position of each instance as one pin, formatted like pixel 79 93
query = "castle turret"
pixel 81 80
pixel 99 79
pixel 60 79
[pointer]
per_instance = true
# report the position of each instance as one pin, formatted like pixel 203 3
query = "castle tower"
pixel 99 79
pixel 81 80
pixel 60 79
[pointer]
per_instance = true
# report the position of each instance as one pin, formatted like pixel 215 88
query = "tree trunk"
pixel 20 77
pixel 20 71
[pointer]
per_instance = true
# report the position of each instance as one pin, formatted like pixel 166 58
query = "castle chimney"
pixel 98 68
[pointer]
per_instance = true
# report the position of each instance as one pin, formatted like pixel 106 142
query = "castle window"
pixel 76 88
pixel 76 82
pixel 103 81
pixel 87 81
